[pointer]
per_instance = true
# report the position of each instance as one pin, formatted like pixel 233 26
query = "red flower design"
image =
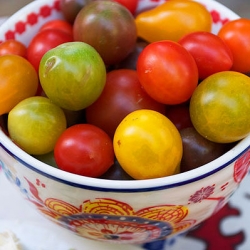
pixel 32 18
pixel 241 167
pixel 45 11
pixel 202 194
pixel 20 27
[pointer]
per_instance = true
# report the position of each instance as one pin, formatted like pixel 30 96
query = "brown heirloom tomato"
pixel 107 26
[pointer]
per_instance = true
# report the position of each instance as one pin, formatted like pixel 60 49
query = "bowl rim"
pixel 120 185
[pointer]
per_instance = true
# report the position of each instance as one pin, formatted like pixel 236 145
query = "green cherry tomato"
pixel 220 107
pixel 35 124
pixel 72 75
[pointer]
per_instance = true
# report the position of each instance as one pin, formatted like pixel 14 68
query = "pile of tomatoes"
pixel 115 94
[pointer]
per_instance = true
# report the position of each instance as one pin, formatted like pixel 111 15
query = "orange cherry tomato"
pixel 13 47
pixel 172 20
pixel 18 80
pixel 236 34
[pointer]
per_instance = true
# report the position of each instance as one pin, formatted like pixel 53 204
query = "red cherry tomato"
pixel 236 34
pixel 43 42
pixel 210 52
pixel 167 72
pixel 122 94
pixel 131 5
pixel 84 149
pixel 58 24
pixel 13 47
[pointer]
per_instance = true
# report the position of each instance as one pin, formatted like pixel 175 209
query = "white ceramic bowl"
pixel 119 211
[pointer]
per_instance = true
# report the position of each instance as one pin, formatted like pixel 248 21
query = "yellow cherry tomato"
pixel 18 81
pixel 148 145
pixel 220 107
pixel 172 20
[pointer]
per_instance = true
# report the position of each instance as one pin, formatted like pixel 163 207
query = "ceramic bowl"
pixel 136 211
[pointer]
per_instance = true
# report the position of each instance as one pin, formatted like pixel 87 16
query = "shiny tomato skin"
pixel 18 81
pixel 148 145
pixel 13 47
pixel 122 94
pixel 84 149
pixel 237 36
pixel 58 24
pixel 220 107
pixel 35 124
pixel 171 20
pixel 107 26
pixel 167 72
pixel 43 42
pixel 210 52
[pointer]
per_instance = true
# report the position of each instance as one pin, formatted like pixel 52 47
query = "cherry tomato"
pixel 116 172
pixel 107 26
pixel 167 72
pixel 84 149
pixel 148 145
pixel 237 36
pixel 13 47
pixel 35 124
pixel 171 20
pixel 131 5
pixel 72 75
pixel 210 52
pixel 43 42
pixel 196 145
pixel 58 24
pixel 220 107
pixel 179 116
pixel 122 94
pixel 18 80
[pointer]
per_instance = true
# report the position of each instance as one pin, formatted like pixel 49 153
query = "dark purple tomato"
pixel 197 150
pixel 74 117
pixel 3 123
pixel 122 94
pixel 107 26
pixel 179 115
pixel 116 172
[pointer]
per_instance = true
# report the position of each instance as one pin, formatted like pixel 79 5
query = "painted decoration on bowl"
pixel 108 219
